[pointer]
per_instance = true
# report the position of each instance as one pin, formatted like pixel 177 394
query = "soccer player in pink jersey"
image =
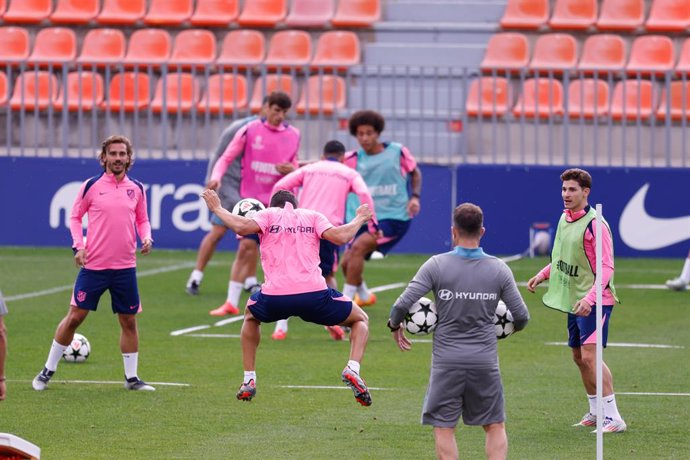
pixel 269 147
pixel 325 186
pixel 116 206
pixel 290 240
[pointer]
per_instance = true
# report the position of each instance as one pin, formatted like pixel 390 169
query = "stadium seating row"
pixel 173 93
pixel 558 52
pixel 615 15
pixel 206 13
pixel 587 98
pixel 193 47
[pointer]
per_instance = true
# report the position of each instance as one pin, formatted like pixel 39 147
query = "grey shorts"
pixel 474 394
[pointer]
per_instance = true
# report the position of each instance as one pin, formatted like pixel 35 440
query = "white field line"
pixel 107 382
pixel 69 287
pixel 215 336
pixel 223 322
pixel 326 387
pixel 651 394
pixel 626 345
pixel 625 286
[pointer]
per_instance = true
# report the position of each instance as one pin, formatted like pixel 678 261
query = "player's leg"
pixel 206 250
pixel 446 445
pixel 681 283
pixel 496 446
pixel 247 253
pixel 250 337
pixel 353 262
pixel 358 322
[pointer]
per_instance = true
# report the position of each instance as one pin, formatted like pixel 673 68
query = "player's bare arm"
pixel 344 233
pixel 534 282
pixel 414 205
pixel 238 224
pixel 285 168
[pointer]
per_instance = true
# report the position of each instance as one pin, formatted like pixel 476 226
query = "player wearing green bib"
pixel 571 276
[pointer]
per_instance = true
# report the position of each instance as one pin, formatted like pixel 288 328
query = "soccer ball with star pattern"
pixel 247 207
pixel 503 321
pixel 422 317
pixel 78 350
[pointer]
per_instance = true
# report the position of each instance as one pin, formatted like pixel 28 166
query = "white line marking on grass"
pixel 325 387
pixel 234 319
pixel 627 345
pixel 108 382
pixel 387 287
pixel 216 336
pixel 660 287
pixel 69 287
pixel 421 340
pixel 189 329
pixel 651 394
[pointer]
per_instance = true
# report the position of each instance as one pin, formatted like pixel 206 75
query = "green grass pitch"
pixel 544 395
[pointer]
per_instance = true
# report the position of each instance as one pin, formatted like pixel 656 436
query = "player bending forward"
pixel 290 240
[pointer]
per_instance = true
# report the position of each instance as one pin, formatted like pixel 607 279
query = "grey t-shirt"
pixel 229 189
pixel 467 285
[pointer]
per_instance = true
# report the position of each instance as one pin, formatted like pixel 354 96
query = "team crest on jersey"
pixel 130 194
pixel 258 143
pixel 81 296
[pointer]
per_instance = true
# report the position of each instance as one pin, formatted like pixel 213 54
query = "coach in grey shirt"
pixel 465 379
pixel 3 347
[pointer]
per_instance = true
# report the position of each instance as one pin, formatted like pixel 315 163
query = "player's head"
pixel 116 154
pixel 577 184
pixel 334 149
pixel 367 126
pixel 468 221
pixel 278 105
pixel 281 197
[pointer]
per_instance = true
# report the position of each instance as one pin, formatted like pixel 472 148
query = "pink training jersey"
pixel 264 147
pixel 114 209
pixel 325 186
pixel 590 251
pixel 290 240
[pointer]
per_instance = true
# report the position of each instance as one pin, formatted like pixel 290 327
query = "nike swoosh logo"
pixel 641 231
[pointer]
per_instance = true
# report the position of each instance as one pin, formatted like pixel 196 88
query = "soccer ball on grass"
pixel 78 350
pixel 422 317
pixel 247 207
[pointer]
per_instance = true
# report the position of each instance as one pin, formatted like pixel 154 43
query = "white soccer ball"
pixel 78 350
pixel 247 207
pixel 422 317
pixel 503 321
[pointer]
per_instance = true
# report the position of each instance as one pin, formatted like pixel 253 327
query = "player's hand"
pixel 413 206
pixel 582 308
pixel 364 213
pixel 534 282
pixel 212 184
pixel 285 168
pixel 211 198
pixel 147 246
pixel 80 258
pixel 403 342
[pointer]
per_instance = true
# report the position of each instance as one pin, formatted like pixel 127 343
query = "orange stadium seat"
pixel 588 98
pixel 168 12
pixel 242 48
pixel 323 94
pixel 554 52
pixel 103 46
pixel 75 11
pixel 288 48
pixel 633 99
pixel 128 91
pixel 669 16
pixel 215 13
pixel 54 46
pixel 224 93
pixel 541 97
pixel 83 90
pixel 148 47
pixel 28 11
pixel 677 103
pixel 627 15
pixel 193 47
pixel 337 49
pixel 357 13
pixel 310 13
pixel 489 96
pixel 651 54
pixel 179 91
pixel 506 51
pixel 683 65
pixel 603 53
pixel 3 7
pixel 125 12
pixel 574 14
pixel 525 14
pixel 15 44
pixel 37 89
pixel 271 82
pixel 4 89
pixel 262 13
